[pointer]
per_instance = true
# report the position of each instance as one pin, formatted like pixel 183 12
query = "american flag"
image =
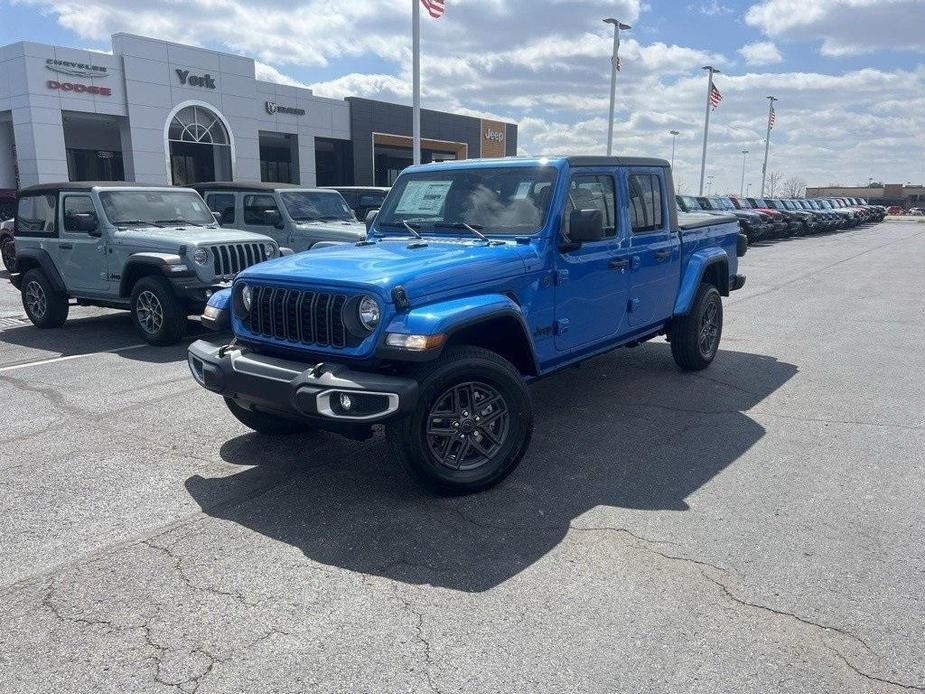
pixel 715 96
pixel 434 7
pixel 772 117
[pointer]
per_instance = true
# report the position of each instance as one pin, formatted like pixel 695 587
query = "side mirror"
pixel 218 217
pixel 83 221
pixel 272 218
pixel 370 218
pixel 586 226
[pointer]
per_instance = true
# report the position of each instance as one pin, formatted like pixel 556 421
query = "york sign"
pixel 196 80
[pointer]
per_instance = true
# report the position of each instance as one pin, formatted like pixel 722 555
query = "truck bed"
pixel 696 220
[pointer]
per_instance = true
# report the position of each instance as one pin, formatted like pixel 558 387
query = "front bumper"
pixel 297 389
pixel 195 293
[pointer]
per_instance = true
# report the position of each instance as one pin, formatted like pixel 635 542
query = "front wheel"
pixel 472 424
pixel 695 336
pixel 156 313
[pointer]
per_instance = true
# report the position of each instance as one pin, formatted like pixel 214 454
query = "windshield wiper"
pixel 138 221
pixel 178 221
pixel 463 225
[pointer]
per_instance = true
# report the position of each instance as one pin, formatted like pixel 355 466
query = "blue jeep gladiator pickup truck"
pixel 476 277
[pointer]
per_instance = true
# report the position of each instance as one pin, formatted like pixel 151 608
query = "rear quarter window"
pixel 35 215
pixel 645 202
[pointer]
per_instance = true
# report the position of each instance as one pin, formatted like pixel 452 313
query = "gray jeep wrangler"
pixel 154 250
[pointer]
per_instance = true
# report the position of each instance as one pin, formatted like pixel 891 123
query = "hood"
pixel 340 227
pixel 439 265
pixel 171 238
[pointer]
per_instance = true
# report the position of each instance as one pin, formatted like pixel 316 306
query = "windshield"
pixel 725 203
pixel 316 206
pixel 500 200
pixel 155 207
pixel 689 203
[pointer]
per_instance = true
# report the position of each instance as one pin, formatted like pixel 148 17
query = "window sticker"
pixel 423 197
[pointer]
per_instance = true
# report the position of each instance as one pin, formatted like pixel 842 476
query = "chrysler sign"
pixel 273 108
pixel 67 67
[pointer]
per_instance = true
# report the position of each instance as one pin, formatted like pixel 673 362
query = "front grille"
pixel 231 258
pixel 314 318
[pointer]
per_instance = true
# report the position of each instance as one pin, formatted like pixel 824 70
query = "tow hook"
pixel 224 349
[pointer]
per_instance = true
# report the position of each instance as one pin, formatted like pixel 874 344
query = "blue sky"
pixel 850 74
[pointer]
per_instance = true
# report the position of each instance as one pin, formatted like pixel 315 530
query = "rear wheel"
pixel 264 423
pixel 8 252
pixel 45 307
pixel 472 424
pixel 156 312
pixel 695 337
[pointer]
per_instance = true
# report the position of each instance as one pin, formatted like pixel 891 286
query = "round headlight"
pixel 368 311
pixel 201 256
pixel 268 250
pixel 246 297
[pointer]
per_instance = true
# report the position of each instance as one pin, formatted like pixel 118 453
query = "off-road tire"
pixel 45 307
pixel 265 423
pixel 8 253
pixel 481 373
pixel 157 314
pixel 686 332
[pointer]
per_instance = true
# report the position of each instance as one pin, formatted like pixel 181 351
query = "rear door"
pixel 593 279
pixel 82 259
pixel 655 248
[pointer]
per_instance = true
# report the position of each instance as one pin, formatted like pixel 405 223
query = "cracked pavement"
pixel 752 528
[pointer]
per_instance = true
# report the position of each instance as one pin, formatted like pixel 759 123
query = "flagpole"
pixel 706 125
pixel 617 25
pixel 416 79
pixel 767 144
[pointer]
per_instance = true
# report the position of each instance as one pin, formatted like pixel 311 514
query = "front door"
pixel 654 246
pixel 256 205
pixel 593 279
pixel 82 259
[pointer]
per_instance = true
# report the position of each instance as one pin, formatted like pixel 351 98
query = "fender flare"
pixel 451 316
pixel 697 266
pixel 156 260
pixel 46 264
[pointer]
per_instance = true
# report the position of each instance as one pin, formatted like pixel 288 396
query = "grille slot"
pixel 231 258
pixel 314 318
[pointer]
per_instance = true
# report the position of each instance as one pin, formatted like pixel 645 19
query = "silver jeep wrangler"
pixel 155 250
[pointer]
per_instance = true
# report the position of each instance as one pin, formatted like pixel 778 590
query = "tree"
pixel 772 186
pixel 794 187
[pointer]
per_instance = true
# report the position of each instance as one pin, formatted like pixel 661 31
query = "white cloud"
pixel 761 53
pixel 712 8
pixel 544 65
pixel 268 73
pixel 846 27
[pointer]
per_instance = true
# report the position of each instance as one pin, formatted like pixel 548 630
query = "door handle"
pixel 619 264
pixel 662 254
pixel 66 246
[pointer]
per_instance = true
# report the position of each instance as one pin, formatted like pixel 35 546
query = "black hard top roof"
pixel 377 189
pixel 615 161
pixel 85 185
pixel 247 185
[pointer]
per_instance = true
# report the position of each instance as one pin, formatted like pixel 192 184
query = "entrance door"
pixel 192 163
pixel 593 283
pixel 82 259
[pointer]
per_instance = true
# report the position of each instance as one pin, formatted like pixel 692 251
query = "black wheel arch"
pixel 716 272
pixel 30 258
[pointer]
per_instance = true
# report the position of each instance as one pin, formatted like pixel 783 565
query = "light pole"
pixel 748 189
pixel 742 185
pixel 674 137
pixel 710 184
pixel 706 124
pixel 767 143
pixel 614 66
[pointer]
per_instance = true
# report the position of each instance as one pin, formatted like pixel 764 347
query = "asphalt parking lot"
pixel 756 527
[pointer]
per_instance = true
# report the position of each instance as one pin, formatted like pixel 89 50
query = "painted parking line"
pixel 69 357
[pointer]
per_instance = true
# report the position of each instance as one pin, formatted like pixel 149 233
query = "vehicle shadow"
pixel 625 430
pixel 104 332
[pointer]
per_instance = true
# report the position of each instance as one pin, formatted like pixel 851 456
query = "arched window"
pixel 197 124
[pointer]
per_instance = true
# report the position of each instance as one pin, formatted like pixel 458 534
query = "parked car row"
pixel 770 218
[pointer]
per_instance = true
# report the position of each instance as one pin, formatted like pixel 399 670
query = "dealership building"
pixel 902 195
pixel 165 113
